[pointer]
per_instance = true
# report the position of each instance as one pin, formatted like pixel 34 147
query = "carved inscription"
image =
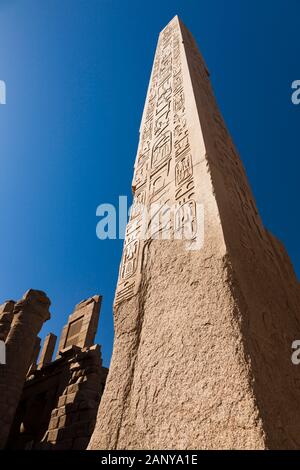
pixel 163 174
pixel 162 149
pixel 183 169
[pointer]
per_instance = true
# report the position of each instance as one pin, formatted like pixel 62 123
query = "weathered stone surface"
pixel 202 351
pixel 48 350
pixel 74 419
pixel 60 399
pixel 82 325
pixel 29 316
pixel 35 355
pixel 6 318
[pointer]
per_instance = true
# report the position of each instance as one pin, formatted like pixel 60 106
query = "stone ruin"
pixel 44 403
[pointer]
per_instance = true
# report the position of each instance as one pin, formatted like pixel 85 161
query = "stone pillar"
pixel 48 350
pixel 29 315
pixel 207 304
pixel 6 318
pixel 35 355
pixel 82 325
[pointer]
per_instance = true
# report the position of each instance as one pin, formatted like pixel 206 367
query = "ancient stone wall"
pixel 82 325
pixel 52 405
pixel 73 420
pixel 29 315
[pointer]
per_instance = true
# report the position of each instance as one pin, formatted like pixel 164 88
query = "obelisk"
pixel 204 326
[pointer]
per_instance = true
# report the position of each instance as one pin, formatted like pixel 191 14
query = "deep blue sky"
pixel 76 73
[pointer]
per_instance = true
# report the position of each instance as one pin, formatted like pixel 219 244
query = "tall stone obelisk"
pixel 203 329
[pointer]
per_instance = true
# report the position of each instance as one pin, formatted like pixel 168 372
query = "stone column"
pixel 48 350
pixel 6 317
pixel 35 355
pixel 82 325
pixel 29 315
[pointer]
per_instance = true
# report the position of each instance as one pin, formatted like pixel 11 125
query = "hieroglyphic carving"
pixel 186 215
pixel 178 80
pixel 162 149
pixel 226 159
pixel 179 126
pixel 140 175
pixel 162 122
pixel 186 220
pixel 150 109
pixel 165 90
pixel 147 131
pixel 167 36
pixel 138 204
pixel 163 106
pixel 183 169
pixel 129 263
pixel 178 101
pixel 131 250
pixel 185 190
pixel 164 164
pixel 160 223
pixel 165 68
pixel 181 144
pixel 142 157
pixel 124 291
pixel 158 182
pixel 176 68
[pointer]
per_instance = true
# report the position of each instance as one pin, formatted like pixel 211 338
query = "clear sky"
pixel 76 73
